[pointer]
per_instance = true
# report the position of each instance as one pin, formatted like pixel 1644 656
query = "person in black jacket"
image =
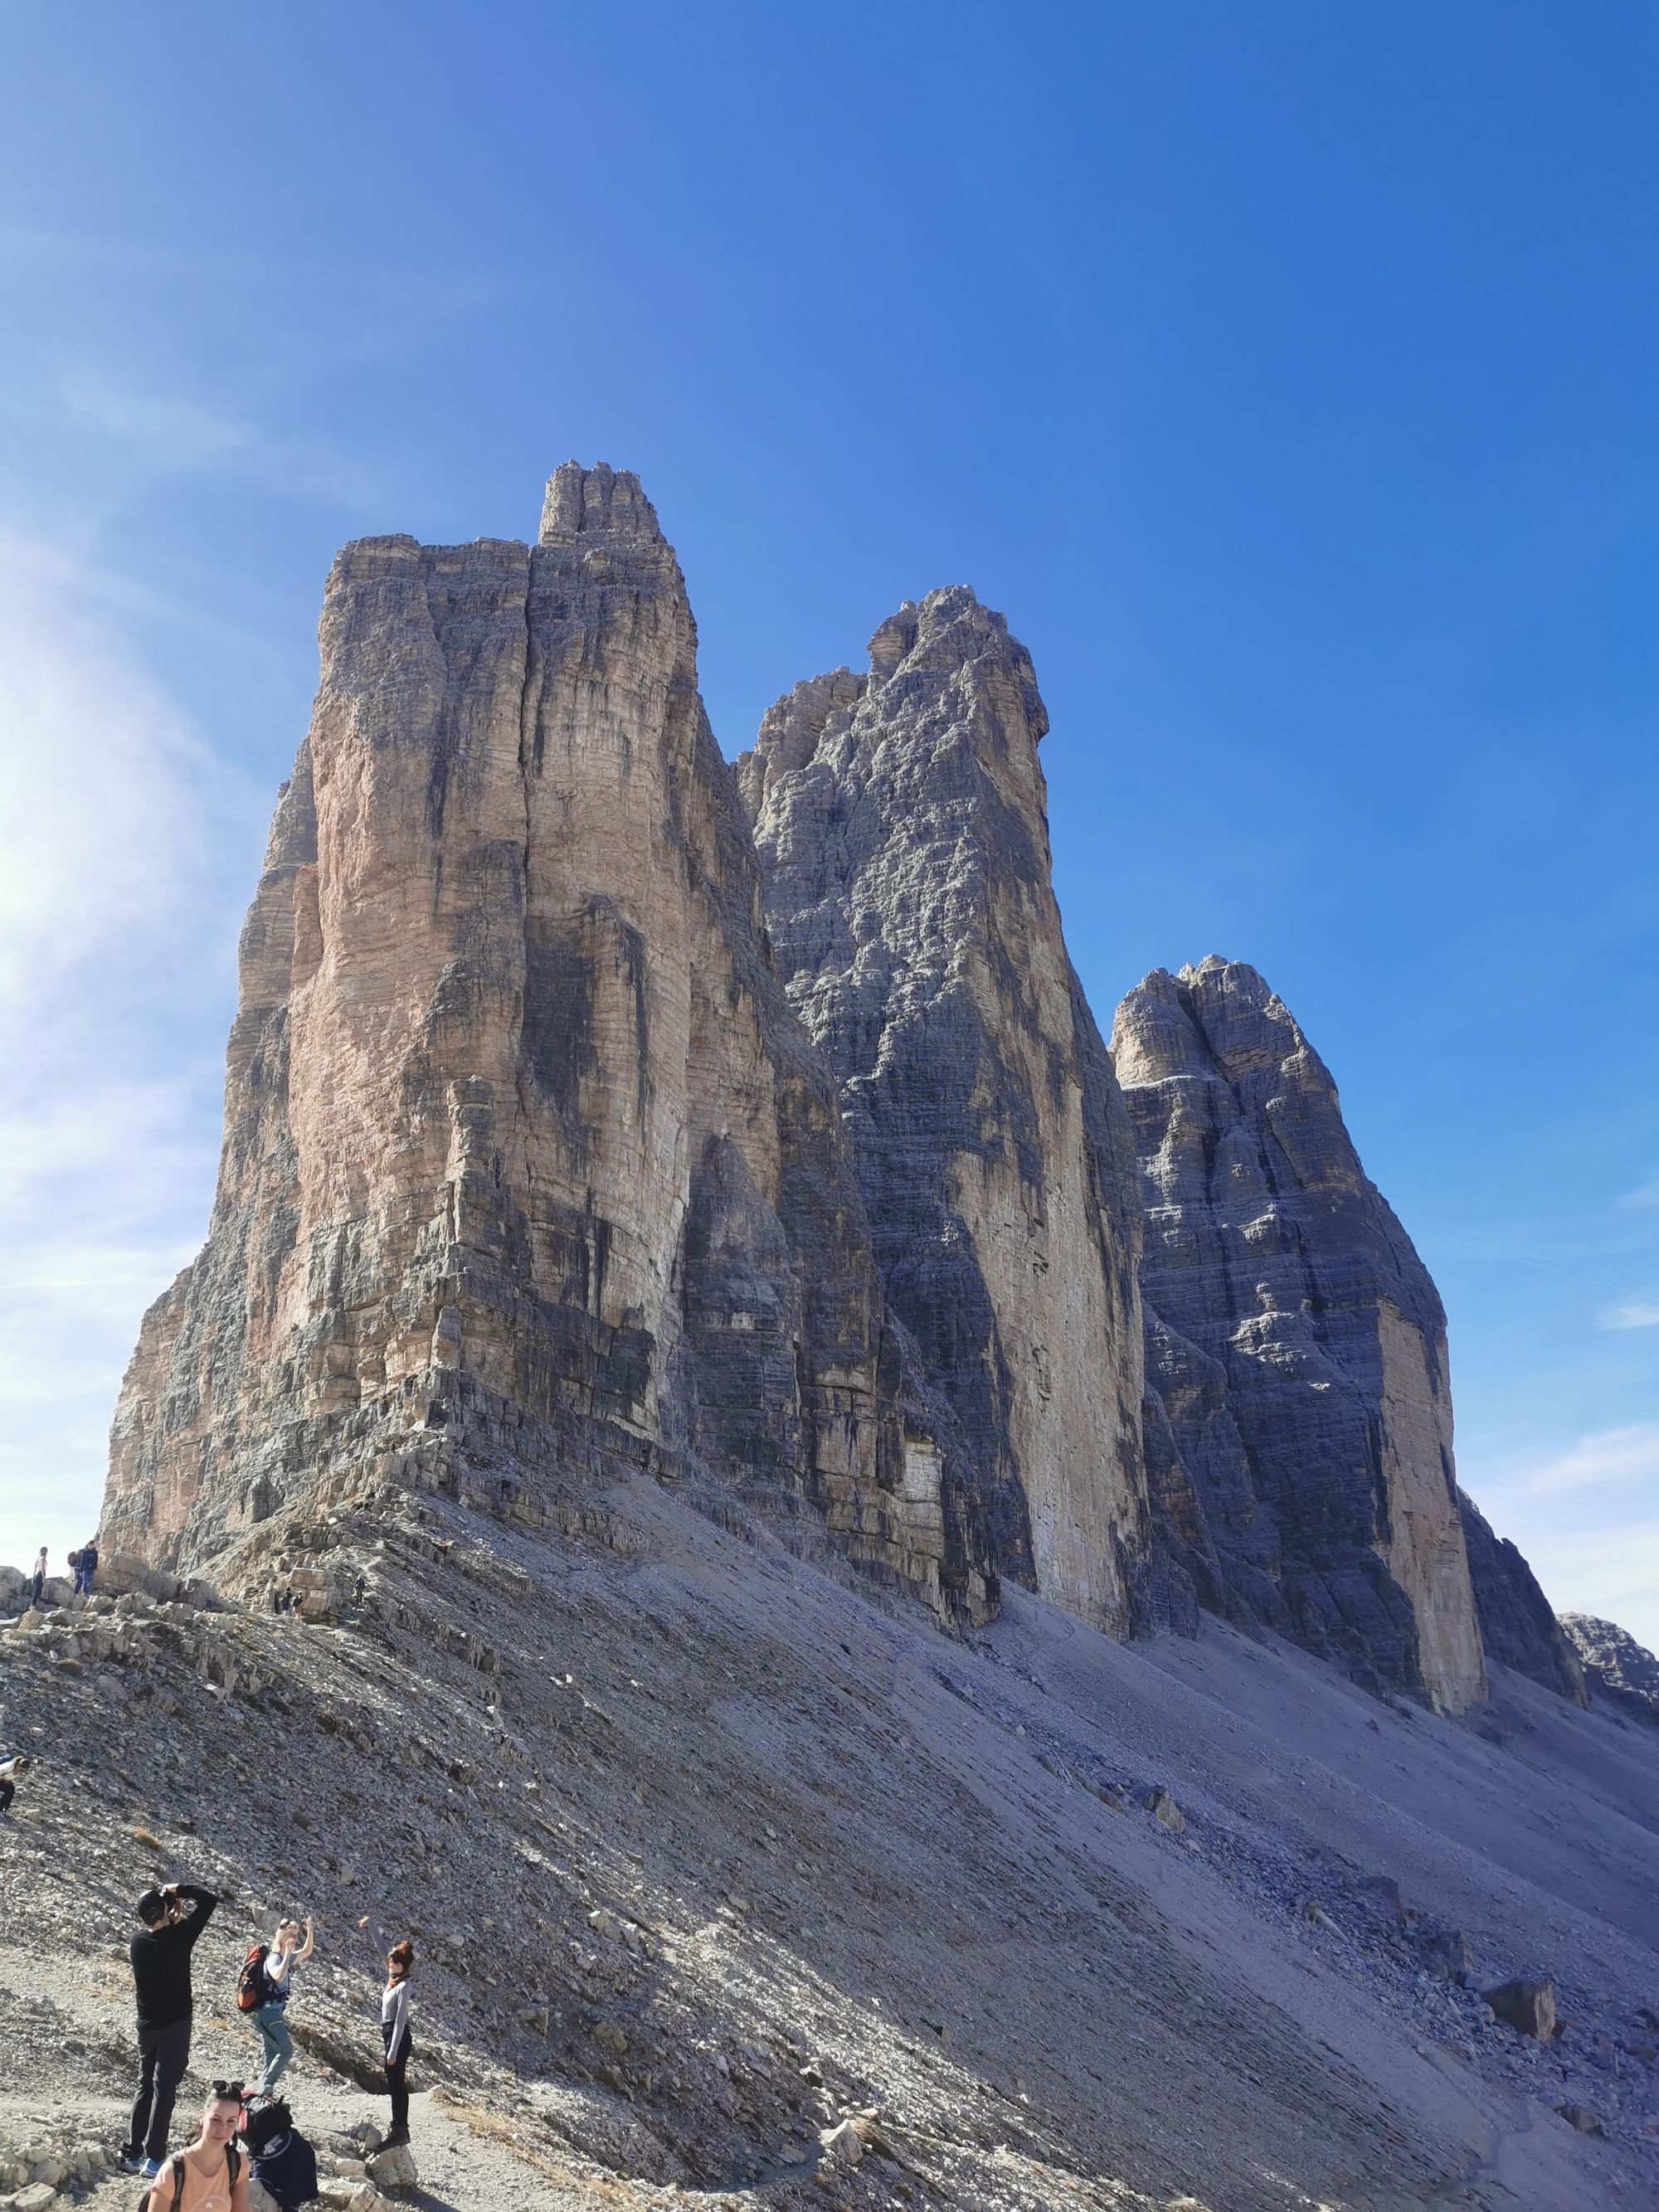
pixel 173 1919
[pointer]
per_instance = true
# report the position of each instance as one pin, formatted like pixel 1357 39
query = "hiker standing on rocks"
pixel 285 1953
pixel 38 1580
pixel 173 1919
pixel 208 2177
pixel 86 1567
pixel 12 1764
pixel 395 2035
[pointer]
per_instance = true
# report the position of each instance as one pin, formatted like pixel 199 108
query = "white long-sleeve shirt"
pixel 394 2019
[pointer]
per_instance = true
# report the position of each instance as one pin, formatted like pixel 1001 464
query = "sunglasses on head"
pixel 223 2091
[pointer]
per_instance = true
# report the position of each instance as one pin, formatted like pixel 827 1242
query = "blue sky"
pixel 1286 373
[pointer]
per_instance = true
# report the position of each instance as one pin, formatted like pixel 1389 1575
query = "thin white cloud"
pixel 1633 1313
pixel 160 435
pixel 126 848
pixel 1623 1455
pixel 1644 1194
pixel 1611 1572
pixel 170 432
pixel 112 801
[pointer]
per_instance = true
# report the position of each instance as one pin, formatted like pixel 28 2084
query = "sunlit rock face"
pixel 529 1175
pixel 899 818
pixel 1296 1342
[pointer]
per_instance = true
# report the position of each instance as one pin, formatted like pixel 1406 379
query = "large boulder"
pixel 1526 2005
pixel 119 1573
pixel 394 2168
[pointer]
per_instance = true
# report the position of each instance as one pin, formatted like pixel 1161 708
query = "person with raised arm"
pixel 173 1918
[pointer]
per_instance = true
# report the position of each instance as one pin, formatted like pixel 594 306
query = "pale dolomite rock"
pixel 529 1176
pixel 900 817
pixel 1295 1340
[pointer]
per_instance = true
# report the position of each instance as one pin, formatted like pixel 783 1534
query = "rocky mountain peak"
pixel 530 1177
pixel 597 505
pixel 592 1107
pixel 1296 1342
pixel 901 821
pixel 1620 1669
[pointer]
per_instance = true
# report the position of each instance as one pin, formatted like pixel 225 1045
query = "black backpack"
pixel 287 2170
pixel 233 2161
pixel 263 2118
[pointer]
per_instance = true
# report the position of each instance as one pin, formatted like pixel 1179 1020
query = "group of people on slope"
pixel 82 1564
pixel 206 2177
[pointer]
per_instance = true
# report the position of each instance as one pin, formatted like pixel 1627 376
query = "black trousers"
pixel 163 2055
pixel 396 2081
pixel 8 1791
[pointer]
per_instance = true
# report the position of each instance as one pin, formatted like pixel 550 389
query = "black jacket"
pixel 161 1961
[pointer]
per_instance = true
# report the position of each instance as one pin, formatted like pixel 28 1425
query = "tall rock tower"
pixel 529 1175
pixel 1295 1339
pixel 901 821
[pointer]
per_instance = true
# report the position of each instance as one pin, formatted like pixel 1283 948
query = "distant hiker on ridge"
pixel 395 2035
pixel 173 1919
pixel 283 1953
pixel 208 2177
pixel 86 1567
pixel 38 1579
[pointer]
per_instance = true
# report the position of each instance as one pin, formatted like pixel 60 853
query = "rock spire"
pixel 1295 1340
pixel 900 817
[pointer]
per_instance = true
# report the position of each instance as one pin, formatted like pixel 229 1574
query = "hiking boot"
pixel 397 2138
pixel 151 2168
pixel 129 2160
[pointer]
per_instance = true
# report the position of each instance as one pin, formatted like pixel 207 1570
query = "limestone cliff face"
pixel 1295 1340
pixel 1517 1627
pixel 900 819
pixel 528 1174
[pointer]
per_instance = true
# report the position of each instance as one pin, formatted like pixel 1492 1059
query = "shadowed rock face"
pixel 1618 1669
pixel 529 1175
pixel 1516 1625
pixel 900 820
pixel 1296 1342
